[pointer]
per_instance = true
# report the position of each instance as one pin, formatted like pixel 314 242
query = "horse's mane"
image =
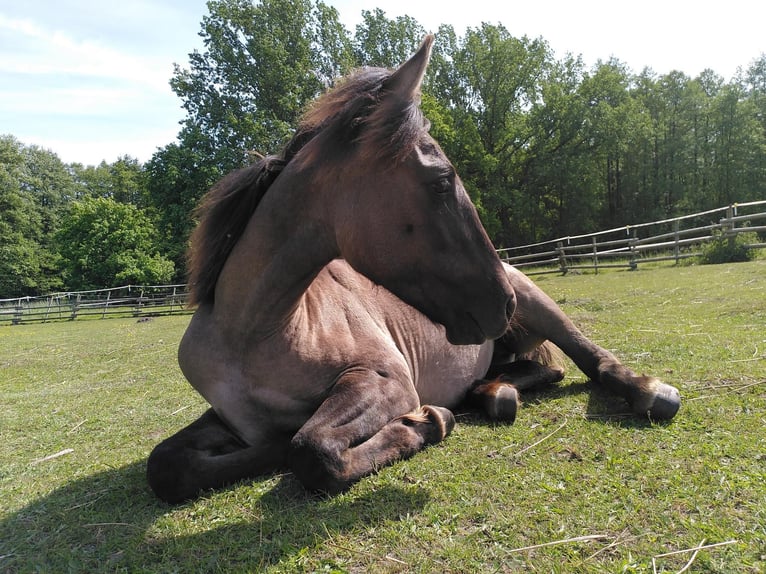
pixel 350 114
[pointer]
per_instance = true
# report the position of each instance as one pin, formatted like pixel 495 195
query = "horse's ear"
pixel 406 80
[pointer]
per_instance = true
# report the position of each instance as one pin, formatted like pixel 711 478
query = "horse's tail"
pixel 223 215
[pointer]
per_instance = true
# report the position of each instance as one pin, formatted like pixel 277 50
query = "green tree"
pixel 497 80
pixel 754 86
pixel 19 225
pixel 177 176
pixel 739 145
pixel 35 187
pixel 243 96
pixel 562 178
pixel 104 243
pixel 124 181
pixel 262 63
pixel 614 126
pixel 384 42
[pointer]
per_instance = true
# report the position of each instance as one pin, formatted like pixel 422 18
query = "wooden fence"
pixel 623 247
pixel 629 246
pixel 129 301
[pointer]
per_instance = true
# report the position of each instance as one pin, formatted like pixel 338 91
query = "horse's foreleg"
pixel 538 318
pixel 207 455
pixel 367 422
pixel 498 399
pixel 498 394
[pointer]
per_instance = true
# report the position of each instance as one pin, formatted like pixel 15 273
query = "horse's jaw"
pixel 468 330
pixel 471 323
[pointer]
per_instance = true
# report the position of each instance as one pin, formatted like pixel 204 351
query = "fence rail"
pixel 623 247
pixel 128 301
pixel 627 247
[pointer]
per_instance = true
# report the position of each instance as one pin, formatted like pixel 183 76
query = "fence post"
pixel 106 305
pixel 727 226
pixel 632 246
pixel 48 310
pixel 562 258
pixel 595 255
pixel 139 301
pixel 676 249
pixel 172 300
pixel 18 313
pixel 75 307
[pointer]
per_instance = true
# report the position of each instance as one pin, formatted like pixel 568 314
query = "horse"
pixel 348 299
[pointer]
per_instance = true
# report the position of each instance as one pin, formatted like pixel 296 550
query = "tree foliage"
pixel 261 64
pixel 546 147
pixel 34 185
pixel 104 243
pixel 69 226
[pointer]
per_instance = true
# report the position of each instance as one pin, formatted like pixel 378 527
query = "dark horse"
pixel 348 298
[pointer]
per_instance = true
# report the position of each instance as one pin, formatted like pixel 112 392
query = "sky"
pixel 88 79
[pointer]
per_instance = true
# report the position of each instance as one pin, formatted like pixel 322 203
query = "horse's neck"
pixel 284 246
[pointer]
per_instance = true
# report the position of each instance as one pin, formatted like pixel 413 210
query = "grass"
pixel 587 488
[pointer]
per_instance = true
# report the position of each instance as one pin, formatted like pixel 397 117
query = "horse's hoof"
pixel 442 418
pixel 502 404
pixel 666 402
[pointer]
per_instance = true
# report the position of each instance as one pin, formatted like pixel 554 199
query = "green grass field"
pixel 572 486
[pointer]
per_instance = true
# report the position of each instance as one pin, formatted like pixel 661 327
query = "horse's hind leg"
pixel 368 421
pixel 498 394
pixel 539 318
pixel 207 455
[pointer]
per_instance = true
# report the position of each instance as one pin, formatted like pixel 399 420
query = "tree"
pixel 562 179
pixel 243 96
pixel 262 63
pixel 34 189
pixel 124 181
pixel 754 85
pixel 104 243
pixel 380 41
pixel 613 127
pixel 177 176
pixel 497 81
pixel 19 267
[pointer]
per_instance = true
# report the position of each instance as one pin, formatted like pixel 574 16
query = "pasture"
pixel 573 486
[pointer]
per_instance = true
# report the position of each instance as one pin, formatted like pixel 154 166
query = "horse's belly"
pixel 443 379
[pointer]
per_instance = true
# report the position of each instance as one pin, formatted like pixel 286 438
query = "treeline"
pixel 545 146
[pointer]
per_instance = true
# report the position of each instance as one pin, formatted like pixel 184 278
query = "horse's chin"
pixel 463 339
pixel 466 332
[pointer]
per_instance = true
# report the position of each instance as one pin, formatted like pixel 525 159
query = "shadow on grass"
pixel 110 521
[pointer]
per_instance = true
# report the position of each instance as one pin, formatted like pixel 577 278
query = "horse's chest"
pixel 443 377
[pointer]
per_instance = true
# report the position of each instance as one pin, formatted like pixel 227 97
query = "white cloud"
pixel 48 52
pixel 84 96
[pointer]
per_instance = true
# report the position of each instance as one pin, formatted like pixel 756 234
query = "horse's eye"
pixel 443 185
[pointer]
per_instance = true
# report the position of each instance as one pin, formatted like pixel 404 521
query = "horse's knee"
pixel 328 461
pixel 167 471
pixel 316 465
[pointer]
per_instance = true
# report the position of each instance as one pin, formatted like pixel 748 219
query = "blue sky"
pixel 88 79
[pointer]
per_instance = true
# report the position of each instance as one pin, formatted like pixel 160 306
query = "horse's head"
pixel 403 217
